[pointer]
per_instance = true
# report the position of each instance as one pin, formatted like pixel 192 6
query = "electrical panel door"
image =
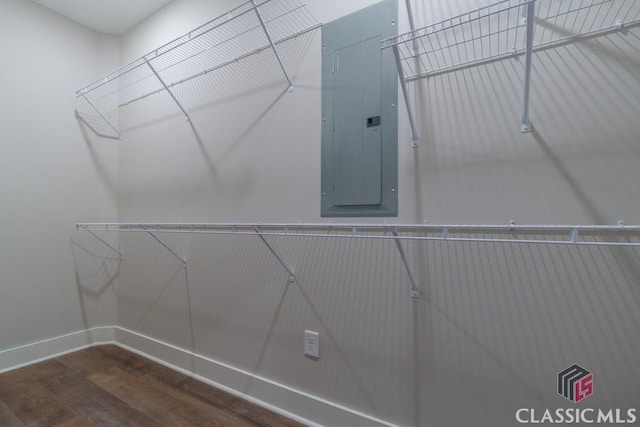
pixel 359 118
pixel 355 142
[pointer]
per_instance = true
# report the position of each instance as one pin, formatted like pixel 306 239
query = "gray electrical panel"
pixel 359 115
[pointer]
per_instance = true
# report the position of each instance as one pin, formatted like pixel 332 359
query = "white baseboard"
pixel 277 397
pixel 272 395
pixel 28 354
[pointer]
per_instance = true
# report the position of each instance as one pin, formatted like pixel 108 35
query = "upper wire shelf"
pixel 251 28
pixel 500 30
pixel 508 28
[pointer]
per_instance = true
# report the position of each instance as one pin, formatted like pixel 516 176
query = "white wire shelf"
pixel 499 31
pixel 601 235
pixel 589 235
pixel 505 29
pixel 249 29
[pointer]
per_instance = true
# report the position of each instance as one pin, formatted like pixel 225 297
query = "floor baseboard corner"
pixel 28 354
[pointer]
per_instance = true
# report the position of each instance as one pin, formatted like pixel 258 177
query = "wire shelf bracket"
pixel 415 293
pixel 525 126
pixel 119 135
pixel 273 46
pixel 292 276
pixel 101 240
pixel 252 27
pixel 164 85
pixel 415 142
pixel 184 261
pixel 502 30
pixel 412 25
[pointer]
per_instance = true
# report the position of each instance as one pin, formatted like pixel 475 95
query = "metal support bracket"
pixel 273 46
pixel 574 236
pixel 153 70
pixel 104 242
pixel 412 26
pixel 103 117
pixel 415 293
pixel 405 93
pixel 292 276
pixel 145 228
pixel 523 13
pixel 530 18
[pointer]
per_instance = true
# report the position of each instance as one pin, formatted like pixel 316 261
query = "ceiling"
pixel 105 16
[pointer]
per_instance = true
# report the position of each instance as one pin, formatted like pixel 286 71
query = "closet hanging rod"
pixel 609 235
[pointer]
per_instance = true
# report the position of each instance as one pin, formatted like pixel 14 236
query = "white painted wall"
pixel 494 323
pixel 52 174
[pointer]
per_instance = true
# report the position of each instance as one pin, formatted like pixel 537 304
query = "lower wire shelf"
pixel 603 235
pixel 577 235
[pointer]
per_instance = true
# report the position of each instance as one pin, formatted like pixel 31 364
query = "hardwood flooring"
pixel 109 386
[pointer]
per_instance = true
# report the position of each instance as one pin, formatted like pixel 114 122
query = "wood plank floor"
pixel 109 386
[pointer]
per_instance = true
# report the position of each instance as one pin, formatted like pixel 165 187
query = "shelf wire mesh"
pixel 499 30
pixel 603 235
pixel 226 40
